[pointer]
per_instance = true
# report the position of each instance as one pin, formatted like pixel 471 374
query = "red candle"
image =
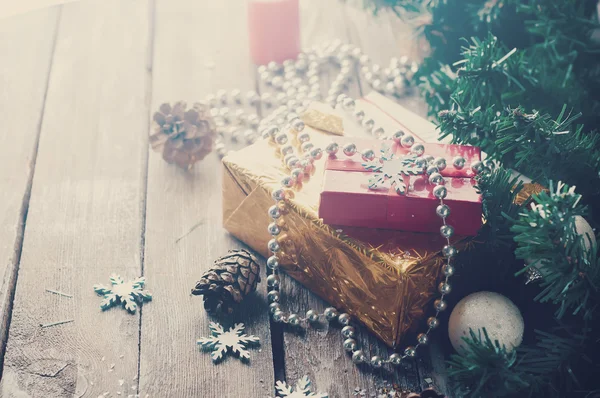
pixel 274 30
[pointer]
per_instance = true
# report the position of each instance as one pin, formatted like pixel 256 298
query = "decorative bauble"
pixel 492 311
pixel 184 136
pixel 583 228
pixel 229 281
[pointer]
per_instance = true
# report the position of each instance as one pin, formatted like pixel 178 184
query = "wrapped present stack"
pixel 372 253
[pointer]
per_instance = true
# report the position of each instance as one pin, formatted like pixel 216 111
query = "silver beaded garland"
pixel 296 92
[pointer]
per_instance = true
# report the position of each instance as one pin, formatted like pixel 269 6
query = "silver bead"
pixel 440 163
pixel 281 138
pixel 274 212
pixel 447 231
pixel 364 60
pixel 294 320
pixel 273 66
pixel 344 319
pixel 272 131
pixel 273 229
pixel 303 137
pixel 449 251
pixel 444 288
pixel 288 181
pixel 273 262
pixel 287 149
pixel 399 85
pixel 429 159
pixel 390 88
pixel 312 316
pixel 274 307
pixel 440 192
pixel 292 162
pixel 410 351
pixel 297 125
pixel 349 149
pixel 348 331
pixel 442 210
pixel 211 100
pixel 252 98
pixel 359 114
pixel 440 305
pixel 422 338
pixel 332 148
pixel 368 155
pixel 307 146
pixel 266 99
pixel 358 357
pixel 378 132
pixel 350 345
pixel 436 179
pixel 397 136
pixel 376 361
pixel 297 174
pixel 278 316
pixel 458 162
pixel 448 270
pixel 316 153
pixel 377 85
pixel 368 124
pixel 278 194
pixel 222 97
pixel 395 359
pixel 273 281
pixel 236 96
pixel 253 120
pixel 433 322
pixel 330 313
pixel 418 149
pixel 306 165
pixel 407 141
pixel 273 296
pixel 421 163
pixel 348 104
pixel 477 166
pixel 250 136
pixel 273 245
pixel 277 82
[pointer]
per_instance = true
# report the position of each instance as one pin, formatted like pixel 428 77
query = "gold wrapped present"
pixel 384 278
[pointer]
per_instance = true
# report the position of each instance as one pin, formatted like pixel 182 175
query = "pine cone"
pixel 183 136
pixel 229 281
pixel 427 393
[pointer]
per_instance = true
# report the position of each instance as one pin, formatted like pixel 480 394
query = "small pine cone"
pixel 183 136
pixel 229 281
pixel 427 393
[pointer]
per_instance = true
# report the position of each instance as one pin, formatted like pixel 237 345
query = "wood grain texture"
pixel 198 49
pixel 85 212
pixel 318 352
pixel 23 78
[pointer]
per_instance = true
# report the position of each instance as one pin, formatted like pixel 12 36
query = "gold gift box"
pixel 384 278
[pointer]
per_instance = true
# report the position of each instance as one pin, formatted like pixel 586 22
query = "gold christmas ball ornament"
pixel 497 314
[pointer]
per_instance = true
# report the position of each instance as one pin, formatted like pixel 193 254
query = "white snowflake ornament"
pixel 221 342
pixel 389 169
pixel 128 293
pixel 300 390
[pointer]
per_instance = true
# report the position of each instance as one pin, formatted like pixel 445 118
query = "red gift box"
pixel 347 200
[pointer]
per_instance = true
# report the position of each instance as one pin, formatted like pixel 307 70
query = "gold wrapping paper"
pixel 320 116
pixel 387 285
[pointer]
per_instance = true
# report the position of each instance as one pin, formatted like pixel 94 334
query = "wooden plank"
pixel 85 213
pixel 184 232
pixel 382 37
pixel 318 352
pixel 23 78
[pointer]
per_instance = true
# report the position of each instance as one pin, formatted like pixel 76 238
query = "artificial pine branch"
pixel 546 236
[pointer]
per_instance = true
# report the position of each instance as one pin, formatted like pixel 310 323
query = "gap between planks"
pixel 14 263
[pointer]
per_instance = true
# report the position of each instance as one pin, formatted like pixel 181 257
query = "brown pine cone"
pixel 229 281
pixel 183 136
pixel 427 393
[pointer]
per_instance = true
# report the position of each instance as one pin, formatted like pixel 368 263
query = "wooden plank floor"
pixel 81 198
